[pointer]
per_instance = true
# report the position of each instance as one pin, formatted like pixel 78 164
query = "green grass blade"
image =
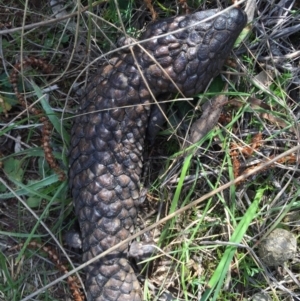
pixel 30 188
pixel 174 203
pixel 216 282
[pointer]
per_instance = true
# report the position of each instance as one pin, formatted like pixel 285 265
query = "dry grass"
pixel 213 224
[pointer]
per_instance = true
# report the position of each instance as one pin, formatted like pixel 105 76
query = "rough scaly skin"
pixel 108 136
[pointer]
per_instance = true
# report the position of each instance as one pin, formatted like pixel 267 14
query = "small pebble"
pixel 277 248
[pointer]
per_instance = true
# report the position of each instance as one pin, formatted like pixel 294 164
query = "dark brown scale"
pixel 108 136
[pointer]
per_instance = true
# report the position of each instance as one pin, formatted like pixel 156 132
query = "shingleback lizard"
pixel 108 134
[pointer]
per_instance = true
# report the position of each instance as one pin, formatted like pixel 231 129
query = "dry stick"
pixel 209 118
pixel 179 211
pixel 43 23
